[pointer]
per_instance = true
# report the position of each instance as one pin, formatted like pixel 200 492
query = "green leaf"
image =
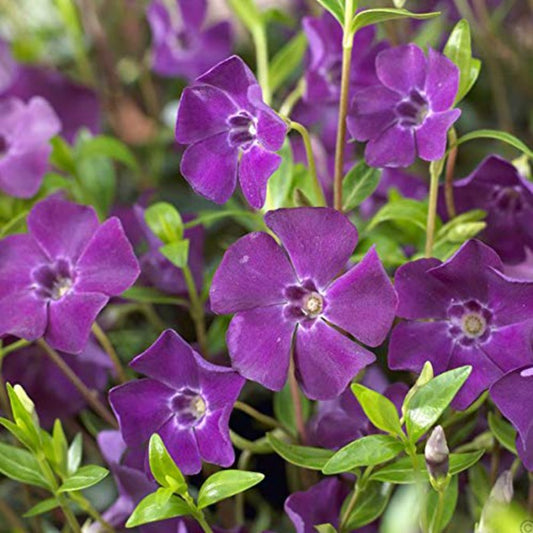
pixel 24 415
pixel 429 401
pixel 21 465
pixel 165 221
pixel 450 502
pixel 85 477
pixel 360 182
pixel 42 507
pixel 74 454
pixel 98 182
pixel 150 295
pixel 60 447
pixel 247 12
pixel 279 184
pixel 18 433
pixel 402 209
pixel 498 136
pixel 177 252
pixel 335 7
pixel 62 157
pixel 374 16
pixel 459 50
pixel 304 456
pixel 286 62
pixel 401 471
pixel 284 408
pixel 225 484
pixel 163 467
pixel 366 451
pixel 503 431
pixel 150 509
pixel 325 528
pixel 371 504
pixel 380 410
pixel 106 146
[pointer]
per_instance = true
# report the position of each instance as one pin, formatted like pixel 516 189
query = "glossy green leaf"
pixel 150 510
pixel 429 401
pixel 60 446
pixel 503 431
pixel 284 408
pixel 450 502
pixel 24 415
pixel 459 50
pixel 225 484
pixel 163 467
pixel 62 157
pixel 304 456
pixel 366 451
pixel 98 182
pixel 380 410
pixel 358 184
pixel 83 478
pixel 371 504
pixel 403 210
pixel 165 221
pixel 109 147
pixel 325 528
pixel 74 454
pixel 150 295
pixel 375 16
pixel 21 465
pixel 286 62
pixel 502 136
pixel 177 252
pixel 42 507
pixel 335 7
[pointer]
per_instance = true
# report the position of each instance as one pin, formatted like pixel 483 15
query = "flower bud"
pixel 437 454
pixel 26 402
pixel 500 496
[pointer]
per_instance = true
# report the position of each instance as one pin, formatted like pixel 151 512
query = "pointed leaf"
pixel 225 484
pixel 503 431
pixel 502 136
pixel 42 507
pixel 150 510
pixel 438 524
pixel 304 456
pixel 374 16
pixel 177 252
pixel 85 477
pixel 335 7
pixel 371 504
pixel 163 468
pixel 165 221
pixel 20 465
pixel 360 182
pixel 287 60
pixel 74 454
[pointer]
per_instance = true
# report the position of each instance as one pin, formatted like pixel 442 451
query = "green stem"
pixel 317 187
pixel 360 485
pixel 261 53
pixel 244 462
pixel 435 169
pixel 196 310
pixel 22 343
pixel 347 46
pixel 219 214
pixel 292 98
pixel 411 451
pixel 265 420
pixel 297 403
pixel 434 528
pixel 90 396
pixel 106 344
pixel 91 511
pixel 448 177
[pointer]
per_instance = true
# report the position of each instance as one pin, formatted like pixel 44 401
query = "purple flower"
pixel 182 46
pixel 496 187
pixel 280 293
pixel 25 133
pixel 462 312
pixel 512 396
pixel 321 504
pixel 409 112
pixel 185 399
pixel 53 394
pixel 55 280
pixel 323 74
pixel 231 132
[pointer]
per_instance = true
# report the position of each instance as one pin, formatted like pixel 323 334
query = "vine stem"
pixel 438 513
pixel 317 187
pixel 107 345
pixel 435 169
pixel 297 403
pixel 292 98
pixel 89 396
pixel 196 310
pixel 263 419
pixel 261 51
pixel 448 177
pixel 411 451
pixel 347 45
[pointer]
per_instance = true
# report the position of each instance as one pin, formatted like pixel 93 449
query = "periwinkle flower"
pixel 185 399
pixel 55 280
pixel 464 311
pixel 182 45
pixel 53 394
pixel 497 187
pixel 290 293
pixel 231 134
pixel 410 111
pixel 512 396
pixel 323 73
pixel 25 133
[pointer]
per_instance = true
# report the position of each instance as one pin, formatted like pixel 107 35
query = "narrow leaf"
pixel 374 16
pixel 287 60
pixel 225 484
pixel 150 509
pixel 498 136
pixel 503 431
pixel 304 456
pixel 335 7
pixel 360 182
pixel 163 467
pixel 20 465
pixel 85 477
pixel 42 507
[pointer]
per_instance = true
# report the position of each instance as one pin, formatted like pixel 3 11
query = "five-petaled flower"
pixel 231 133
pixel 462 312
pixel 55 280
pixel 512 396
pixel 285 295
pixel 184 399
pixel 410 111
pixel 25 133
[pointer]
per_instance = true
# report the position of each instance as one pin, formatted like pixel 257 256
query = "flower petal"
pixel 271 130
pixel 395 147
pixel 319 240
pixel 402 68
pixel 210 167
pixel 259 344
pixel 23 315
pixel 21 174
pixel 108 264
pixel 363 301
pixel 215 429
pixel 254 272
pixel 255 167
pixel 326 361
pixel 62 229
pixel 442 81
pixel 70 320
pixel 182 445
pixel 431 136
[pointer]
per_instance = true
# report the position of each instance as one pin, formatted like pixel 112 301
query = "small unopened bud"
pixel 26 402
pixel 437 454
